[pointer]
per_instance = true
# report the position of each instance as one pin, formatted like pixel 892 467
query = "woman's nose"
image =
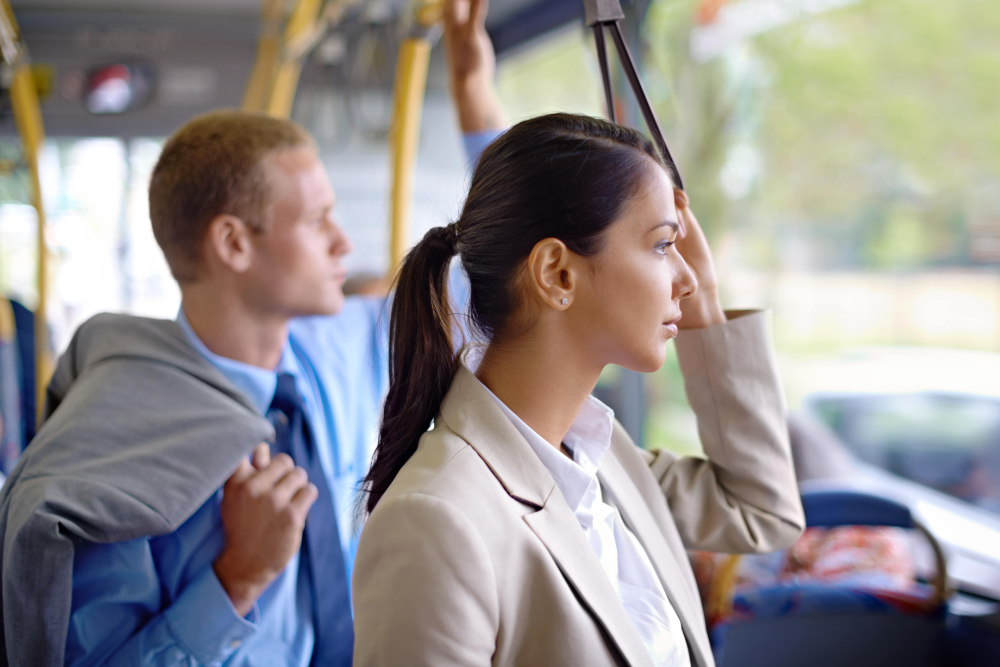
pixel 686 283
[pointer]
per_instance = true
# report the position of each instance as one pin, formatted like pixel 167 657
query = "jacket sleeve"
pixel 117 617
pixel 424 588
pixel 744 496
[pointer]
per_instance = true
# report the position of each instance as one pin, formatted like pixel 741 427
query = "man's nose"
pixel 341 244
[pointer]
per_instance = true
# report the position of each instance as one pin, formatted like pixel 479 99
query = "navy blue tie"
pixel 321 551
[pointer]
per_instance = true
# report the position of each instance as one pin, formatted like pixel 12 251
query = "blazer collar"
pixel 471 413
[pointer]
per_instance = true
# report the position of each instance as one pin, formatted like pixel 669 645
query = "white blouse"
pixel 619 551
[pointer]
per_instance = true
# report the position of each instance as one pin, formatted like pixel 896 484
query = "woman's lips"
pixel 671 325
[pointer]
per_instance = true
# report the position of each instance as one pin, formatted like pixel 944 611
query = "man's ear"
pixel 228 242
pixel 552 273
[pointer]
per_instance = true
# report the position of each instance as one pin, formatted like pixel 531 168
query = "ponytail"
pixel 422 360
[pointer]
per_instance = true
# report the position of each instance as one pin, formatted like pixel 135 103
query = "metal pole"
pixel 28 119
pixel 404 133
pixel 286 75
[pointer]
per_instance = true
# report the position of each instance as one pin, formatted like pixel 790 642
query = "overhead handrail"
pixel 404 131
pixel 281 49
pixel 268 50
pixel 286 75
pixel 28 118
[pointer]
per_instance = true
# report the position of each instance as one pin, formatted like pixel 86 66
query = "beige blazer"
pixel 473 557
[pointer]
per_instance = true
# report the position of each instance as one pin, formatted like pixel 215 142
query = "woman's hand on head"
pixel 703 308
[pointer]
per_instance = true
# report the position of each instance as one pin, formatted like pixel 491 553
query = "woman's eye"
pixel 662 247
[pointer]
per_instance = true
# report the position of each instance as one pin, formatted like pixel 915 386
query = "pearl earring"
pixel 565 301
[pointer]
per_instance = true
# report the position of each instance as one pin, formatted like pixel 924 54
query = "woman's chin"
pixel 648 363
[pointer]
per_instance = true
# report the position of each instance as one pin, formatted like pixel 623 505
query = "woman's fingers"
pixel 682 204
pixel 692 244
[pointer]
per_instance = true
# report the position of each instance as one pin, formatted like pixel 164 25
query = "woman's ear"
pixel 552 273
pixel 228 242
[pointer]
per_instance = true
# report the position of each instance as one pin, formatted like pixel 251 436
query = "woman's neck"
pixel 544 382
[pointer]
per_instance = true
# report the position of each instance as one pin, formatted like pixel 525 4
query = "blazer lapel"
pixel 558 529
pixel 471 413
pixel 640 520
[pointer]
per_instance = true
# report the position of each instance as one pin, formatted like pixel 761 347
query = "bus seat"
pixel 845 593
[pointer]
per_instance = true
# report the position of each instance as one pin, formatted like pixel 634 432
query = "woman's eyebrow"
pixel 666 223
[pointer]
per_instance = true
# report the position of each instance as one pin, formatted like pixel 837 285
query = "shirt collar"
pixel 588 439
pixel 257 383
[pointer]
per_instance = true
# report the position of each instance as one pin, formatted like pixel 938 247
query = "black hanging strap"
pixel 601 14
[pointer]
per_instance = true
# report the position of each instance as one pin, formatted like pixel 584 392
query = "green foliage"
pixel 876 124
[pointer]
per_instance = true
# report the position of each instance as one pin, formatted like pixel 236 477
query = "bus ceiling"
pixel 184 57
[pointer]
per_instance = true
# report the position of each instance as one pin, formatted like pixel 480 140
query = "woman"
pixel 526 528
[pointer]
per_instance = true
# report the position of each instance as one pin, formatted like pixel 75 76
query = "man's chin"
pixel 330 306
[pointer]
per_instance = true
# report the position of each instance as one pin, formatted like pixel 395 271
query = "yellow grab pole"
pixel 286 77
pixel 28 118
pixel 268 52
pixel 404 133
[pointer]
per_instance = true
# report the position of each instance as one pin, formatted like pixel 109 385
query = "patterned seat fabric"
pixel 859 569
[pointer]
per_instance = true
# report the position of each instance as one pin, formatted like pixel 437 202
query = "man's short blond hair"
pixel 213 166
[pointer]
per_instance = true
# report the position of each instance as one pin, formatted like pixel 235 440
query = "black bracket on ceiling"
pixel 607 14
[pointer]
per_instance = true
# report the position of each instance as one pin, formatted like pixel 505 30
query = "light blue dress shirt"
pixel 476 142
pixel 157 601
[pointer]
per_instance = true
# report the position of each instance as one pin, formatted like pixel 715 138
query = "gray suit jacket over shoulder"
pixel 139 431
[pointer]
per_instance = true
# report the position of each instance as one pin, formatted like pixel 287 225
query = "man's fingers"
pixel 477 12
pixel 304 498
pixel 242 473
pixel 267 478
pixel 290 484
pixel 456 12
pixel 261 456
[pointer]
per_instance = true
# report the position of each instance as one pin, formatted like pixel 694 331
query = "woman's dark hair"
pixel 558 176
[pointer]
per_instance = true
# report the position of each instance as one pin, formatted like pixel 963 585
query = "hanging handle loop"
pixel 607 14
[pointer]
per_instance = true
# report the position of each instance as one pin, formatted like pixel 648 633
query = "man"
pixel 122 545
